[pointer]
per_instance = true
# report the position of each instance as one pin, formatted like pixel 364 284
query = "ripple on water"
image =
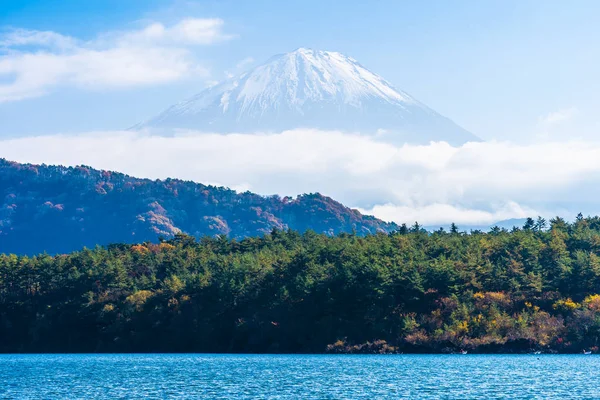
pixel 298 376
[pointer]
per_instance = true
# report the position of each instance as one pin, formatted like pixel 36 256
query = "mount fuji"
pixel 310 89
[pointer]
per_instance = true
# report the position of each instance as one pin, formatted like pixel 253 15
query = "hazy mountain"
pixel 59 209
pixel 503 224
pixel 311 89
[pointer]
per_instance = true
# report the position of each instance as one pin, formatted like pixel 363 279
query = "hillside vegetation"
pixel 537 287
pixel 57 209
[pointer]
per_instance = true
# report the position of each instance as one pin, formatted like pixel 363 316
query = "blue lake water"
pixel 298 376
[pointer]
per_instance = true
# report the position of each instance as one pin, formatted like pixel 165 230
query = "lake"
pixel 298 376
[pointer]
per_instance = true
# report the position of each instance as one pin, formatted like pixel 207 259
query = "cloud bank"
pixel 477 183
pixel 32 63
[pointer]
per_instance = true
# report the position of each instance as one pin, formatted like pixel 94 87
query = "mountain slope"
pixel 59 209
pixel 311 89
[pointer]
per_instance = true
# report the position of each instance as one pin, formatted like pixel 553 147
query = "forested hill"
pixel 529 289
pixel 58 209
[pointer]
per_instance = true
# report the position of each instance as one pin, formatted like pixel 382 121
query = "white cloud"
pixel 558 116
pixel 189 31
pixel 477 183
pixel 445 214
pixel 34 62
pixel 23 37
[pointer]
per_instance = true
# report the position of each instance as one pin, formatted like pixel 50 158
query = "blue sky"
pixel 509 70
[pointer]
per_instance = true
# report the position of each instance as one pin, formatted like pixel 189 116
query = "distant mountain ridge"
pixel 311 89
pixel 502 224
pixel 60 209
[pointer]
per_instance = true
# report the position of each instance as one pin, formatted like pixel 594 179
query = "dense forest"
pixel 532 288
pixel 59 209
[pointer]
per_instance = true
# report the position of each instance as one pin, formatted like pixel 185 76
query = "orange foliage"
pixel 140 249
pixel 166 247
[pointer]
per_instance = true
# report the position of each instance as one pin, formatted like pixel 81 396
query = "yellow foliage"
pixel 173 284
pixel 521 320
pixel 566 305
pixel 462 327
pixel 496 297
pixel 488 298
pixel 108 308
pixel 185 298
pixel 593 302
pixel 139 298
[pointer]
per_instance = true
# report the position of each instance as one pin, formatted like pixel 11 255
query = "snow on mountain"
pixel 311 89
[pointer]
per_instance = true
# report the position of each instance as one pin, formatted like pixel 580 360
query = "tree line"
pixel 536 287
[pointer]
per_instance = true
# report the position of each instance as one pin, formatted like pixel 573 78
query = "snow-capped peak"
pixel 309 88
pixel 310 75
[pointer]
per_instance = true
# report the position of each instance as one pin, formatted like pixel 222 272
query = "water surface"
pixel 298 376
